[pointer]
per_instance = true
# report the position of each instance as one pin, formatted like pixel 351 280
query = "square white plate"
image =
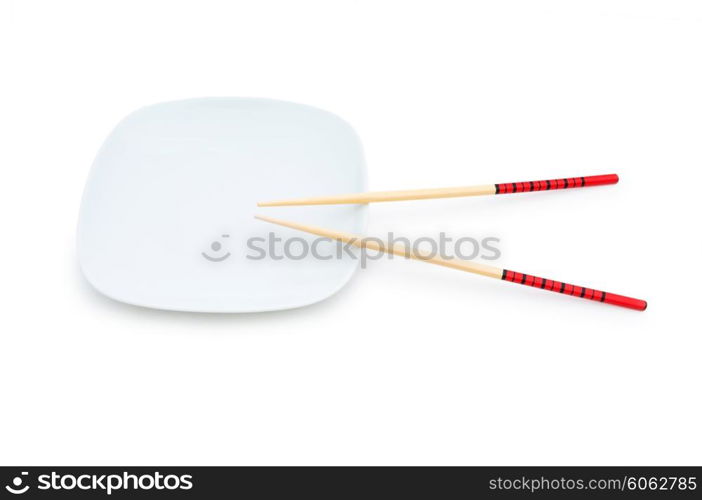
pixel 167 214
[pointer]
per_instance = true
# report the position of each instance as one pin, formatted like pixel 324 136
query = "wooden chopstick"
pixel 468 266
pixel 455 192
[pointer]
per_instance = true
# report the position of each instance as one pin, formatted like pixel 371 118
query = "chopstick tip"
pixel 264 218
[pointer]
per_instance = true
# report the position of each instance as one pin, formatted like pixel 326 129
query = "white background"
pixel 409 364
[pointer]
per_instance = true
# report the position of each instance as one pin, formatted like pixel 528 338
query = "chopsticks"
pixel 455 192
pixel 468 266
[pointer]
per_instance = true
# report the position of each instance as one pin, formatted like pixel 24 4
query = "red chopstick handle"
pixel 571 182
pixel 575 291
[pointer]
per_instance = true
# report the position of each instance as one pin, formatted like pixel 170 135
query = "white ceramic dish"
pixel 167 214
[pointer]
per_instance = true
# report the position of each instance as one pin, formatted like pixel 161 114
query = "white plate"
pixel 167 214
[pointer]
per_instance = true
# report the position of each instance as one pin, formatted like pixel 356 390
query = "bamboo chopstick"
pixel 468 266
pixel 455 192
